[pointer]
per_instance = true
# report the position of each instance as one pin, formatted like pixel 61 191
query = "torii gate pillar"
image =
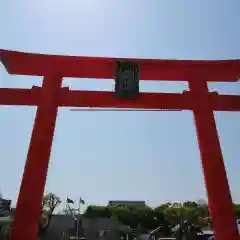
pixel 35 171
pixel 219 196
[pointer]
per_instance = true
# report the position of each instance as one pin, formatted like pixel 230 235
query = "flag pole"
pixel 78 219
pixel 77 233
pixel 66 207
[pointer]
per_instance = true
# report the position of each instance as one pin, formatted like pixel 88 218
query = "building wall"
pixel 91 228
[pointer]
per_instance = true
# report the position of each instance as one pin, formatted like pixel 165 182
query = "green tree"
pixel 94 211
pixel 124 214
pixel 185 218
pixel 162 220
pixel 190 204
pixel 237 209
pixel 131 215
pixel 189 215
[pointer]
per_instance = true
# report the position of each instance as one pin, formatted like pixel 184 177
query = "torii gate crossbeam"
pixel 51 96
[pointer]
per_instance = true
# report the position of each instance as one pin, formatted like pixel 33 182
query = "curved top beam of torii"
pixel 22 63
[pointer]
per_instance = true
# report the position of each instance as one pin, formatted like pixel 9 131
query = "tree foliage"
pixel 237 210
pixel 166 215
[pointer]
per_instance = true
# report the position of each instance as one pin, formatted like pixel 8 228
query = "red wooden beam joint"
pixel 215 101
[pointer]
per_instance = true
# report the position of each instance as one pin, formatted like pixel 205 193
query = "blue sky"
pixel 115 155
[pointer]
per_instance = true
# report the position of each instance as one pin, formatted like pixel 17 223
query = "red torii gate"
pixel 51 96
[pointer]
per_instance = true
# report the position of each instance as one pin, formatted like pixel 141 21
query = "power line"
pixel 121 110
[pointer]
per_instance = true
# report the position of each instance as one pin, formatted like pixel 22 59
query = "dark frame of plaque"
pixel 127 80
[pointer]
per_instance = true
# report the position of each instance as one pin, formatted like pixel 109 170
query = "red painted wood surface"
pixel 51 96
pixel 76 98
pixel 104 68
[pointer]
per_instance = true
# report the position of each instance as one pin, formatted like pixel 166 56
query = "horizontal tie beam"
pixel 75 98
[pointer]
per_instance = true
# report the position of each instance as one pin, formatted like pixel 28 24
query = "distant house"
pixel 5 217
pixel 5 211
pixel 5 205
